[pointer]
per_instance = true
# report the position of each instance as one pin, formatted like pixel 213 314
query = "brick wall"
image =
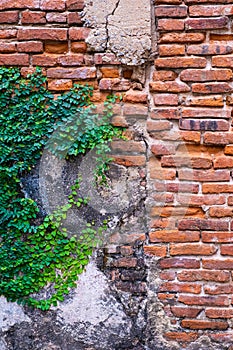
pixel 184 108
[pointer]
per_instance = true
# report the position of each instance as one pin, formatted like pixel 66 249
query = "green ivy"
pixel 34 257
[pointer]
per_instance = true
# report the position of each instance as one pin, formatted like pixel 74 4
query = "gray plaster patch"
pixel 93 315
pixel 10 314
pixel 120 26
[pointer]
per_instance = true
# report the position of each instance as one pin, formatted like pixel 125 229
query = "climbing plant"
pixel 34 256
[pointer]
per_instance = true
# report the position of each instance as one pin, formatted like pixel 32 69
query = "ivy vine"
pixel 33 257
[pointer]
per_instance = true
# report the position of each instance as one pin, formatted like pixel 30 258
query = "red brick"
pixel 8 33
pixel 174 236
pixel 14 60
pixel 180 311
pixel 223 162
pixel 222 337
pixel 226 264
pixel 33 17
pixel 204 162
pixel 158 125
pixel 30 46
pixel 160 251
pixel 222 289
pixel 230 200
pixel 162 113
pixel 71 60
pixel 211 88
pixel 125 262
pixel 217 237
pixel 209 300
pixel 9 17
pixel 56 17
pixel 211 10
pixel 206 23
pixel 220 37
pixel 135 110
pixel 55 47
pixel 202 275
pixel 175 211
pixel 171 11
pixel 205 101
pixel 162 149
pixel 218 138
pixel 79 47
pixel 78 33
pixel 202 224
pixel 74 18
pixel 167 275
pixel 219 313
pixel 129 160
pixel 134 96
pixel 209 49
pixel 190 136
pixel 202 324
pixel 170 24
pixel 192 249
pixel 206 113
pixel 115 84
pixel 75 4
pixel 128 146
pixel 211 125
pixel 180 62
pixel 169 86
pixel 171 50
pixel 59 34
pixel 222 61
pixel 228 150
pixel 7 47
pixel 206 75
pixel 180 287
pixel 44 60
pixel 55 5
pixel 181 336
pixel 18 4
pixel 72 73
pixel 164 75
pixel 204 175
pixel 182 38
pixel 60 85
pixel 105 58
pixel 197 201
pixel 175 187
pixel 227 249
pixel 179 263
pixel 217 188
pixel 159 173
pixel 166 99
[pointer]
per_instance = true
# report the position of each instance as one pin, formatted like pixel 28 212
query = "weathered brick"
pixel 203 275
pixel 180 311
pixel 217 188
pixel 203 176
pixel 128 146
pixel 33 17
pixel 209 10
pixel 197 201
pixel 174 236
pixel 44 60
pixel 171 11
pixel 176 187
pixel 125 262
pixel 211 88
pixel 217 237
pixel 78 33
pixel 18 4
pixel 171 50
pixel 14 59
pixel 190 136
pixel 72 73
pixel 56 47
pixel 227 249
pixel 226 264
pixel 167 275
pixel 205 101
pixel 219 289
pixel 129 160
pixel 158 125
pixel 208 300
pixel 160 251
pixel 167 211
pixel 9 16
pixel 114 84
pixel 105 58
pixel 179 263
pixel 54 5
pixel 60 84
pixel 219 313
pixel 209 49
pixel 135 110
pixel 202 224
pixel 217 138
pixel 223 162
pixel 193 288
pixel 211 125
pixel 202 324
pixel 30 46
pixel 169 86
pixel 74 18
pixel 75 4
pixel 164 75
pixel 180 62
pixel 222 61
pixel 192 249
pixel 228 150
pixel 8 33
pixel 71 60
pixel 206 23
pixel 162 149
pixel 59 34
pixel 182 38
pixel 7 47
pixel 79 46
pixel 204 162
pixel 133 96
pixel 162 113
pixel 205 113
pixel 206 75
pixel 230 200
pixel 170 24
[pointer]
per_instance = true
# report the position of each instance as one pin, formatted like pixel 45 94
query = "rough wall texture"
pixel 175 292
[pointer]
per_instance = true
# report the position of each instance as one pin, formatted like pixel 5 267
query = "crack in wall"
pixel 107 22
